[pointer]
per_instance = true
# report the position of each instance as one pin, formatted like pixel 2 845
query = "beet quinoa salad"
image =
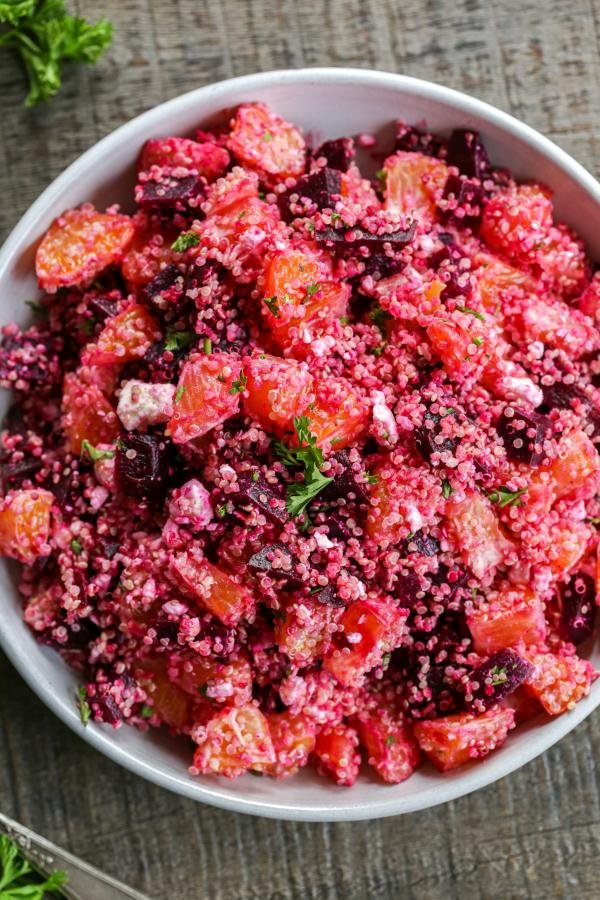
pixel 303 465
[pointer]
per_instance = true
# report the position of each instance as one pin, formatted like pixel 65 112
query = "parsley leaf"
pixel 271 304
pixel 498 674
pixel 179 393
pixel 239 385
pixel 207 346
pixel 85 711
pixel 471 312
pixel 45 36
pixel 307 454
pixel 93 453
pixel 178 340
pixel 19 879
pixel 146 712
pixel 503 497
pixel 76 547
pixel 379 316
pixel 312 289
pixel 447 489
pixel 185 240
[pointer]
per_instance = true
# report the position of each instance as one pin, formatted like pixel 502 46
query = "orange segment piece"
pixel 204 395
pixel 87 415
pixel 265 142
pixel 79 245
pixel 25 524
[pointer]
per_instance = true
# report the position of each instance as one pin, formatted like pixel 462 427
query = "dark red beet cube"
pixel 496 678
pixel 345 483
pixel 102 307
pixel 262 561
pixel 453 268
pixel 568 396
pixel 523 433
pixel 170 192
pixel 463 202
pixel 166 288
pixel 268 498
pixel 427 435
pixel 413 140
pixel 406 586
pixel 337 528
pixel 328 596
pixel 422 544
pixel 467 153
pixel 339 153
pixel 142 466
pixel 317 191
pixel 577 603
pixel 354 241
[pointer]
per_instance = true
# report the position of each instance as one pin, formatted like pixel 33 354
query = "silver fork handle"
pixel 85 882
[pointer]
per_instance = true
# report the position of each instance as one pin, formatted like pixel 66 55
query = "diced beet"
pixel 268 498
pixel 268 698
pixel 158 364
pixel 165 288
pixel 142 466
pixel 383 266
pixel 421 543
pixel 339 153
pixel 328 596
pixel 102 307
pixel 30 357
pixel 497 678
pixel 170 192
pixel 104 706
pixel 13 474
pixel 108 548
pixel 167 630
pixel 262 561
pixel 345 484
pixel 523 434
pixel 413 140
pixel 467 152
pixel 425 438
pixel 337 528
pixel 469 196
pixel 448 263
pixel 455 578
pixel 577 608
pixel 81 634
pixel 221 638
pixel 321 189
pixel 348 242
pixel 565 396
pixel 406 587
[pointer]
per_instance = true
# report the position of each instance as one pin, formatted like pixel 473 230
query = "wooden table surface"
pixel 534 834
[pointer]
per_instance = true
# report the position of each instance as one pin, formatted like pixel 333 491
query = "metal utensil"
pixel 85 882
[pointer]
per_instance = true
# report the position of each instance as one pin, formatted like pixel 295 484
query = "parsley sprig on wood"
pixel 19 879
pixel 45 37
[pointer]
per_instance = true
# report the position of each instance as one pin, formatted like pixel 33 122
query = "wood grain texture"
pixel 536 834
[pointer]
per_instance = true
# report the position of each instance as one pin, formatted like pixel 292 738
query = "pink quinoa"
pixel 305 466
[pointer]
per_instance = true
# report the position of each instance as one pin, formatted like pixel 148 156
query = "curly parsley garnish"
pixel 45 37
pixel 312 289
pixel 18 879
pixel 471 312
pixel 379 316
pixel 308 455
pixel 179 393
pixel 498 674
pixel 93 453
pixel 178 340
pixel 185 240
pixel 239 385
pixel 76 547
pixel 271 304
pixel 447 489
pixel 503 497
pixel 85 711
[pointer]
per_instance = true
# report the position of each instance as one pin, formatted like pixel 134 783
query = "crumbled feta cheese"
pixel 141 404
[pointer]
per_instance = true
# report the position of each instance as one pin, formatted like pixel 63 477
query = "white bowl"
pixel 326 103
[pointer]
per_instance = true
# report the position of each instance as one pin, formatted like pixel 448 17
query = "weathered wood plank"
pixel 535 834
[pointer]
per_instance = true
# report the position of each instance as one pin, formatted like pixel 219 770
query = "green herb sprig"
pixel 19 880
pixel 310 457
pixel 45 37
